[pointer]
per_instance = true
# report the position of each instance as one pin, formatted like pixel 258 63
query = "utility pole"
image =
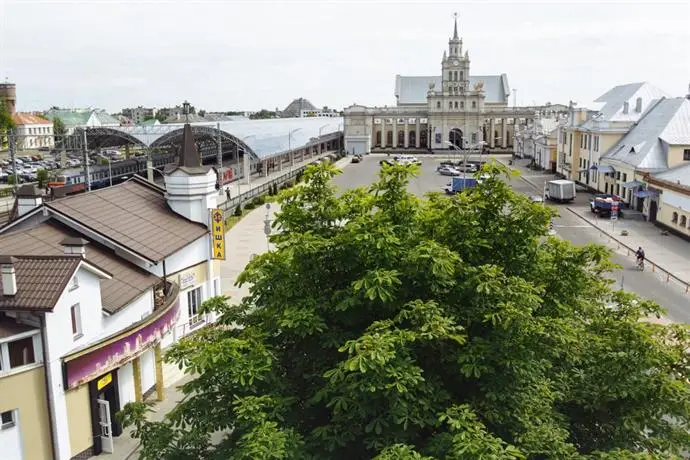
pixel 10 140
pixel 219 161
pixel 87 173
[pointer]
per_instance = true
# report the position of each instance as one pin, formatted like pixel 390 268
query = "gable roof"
pixel 679 175
pixel 414 89
pixel 128 281
pixel 643 146
pixel 610 104
pixel 135 216
pixel 21 118
pixel 69 118
pixel 40 281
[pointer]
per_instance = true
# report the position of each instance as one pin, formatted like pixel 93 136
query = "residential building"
pixel 659 141
pixel 103 282
pixel 539 139
pixel 592 130
pixel 33 131
pixel 139 114
pixel 82 118
pixel 673 190
pixel 450 110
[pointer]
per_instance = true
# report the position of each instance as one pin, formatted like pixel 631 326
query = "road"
pixel 670 296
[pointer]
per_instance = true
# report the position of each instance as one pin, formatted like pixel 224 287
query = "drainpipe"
pixel 165 279
pixel 49 394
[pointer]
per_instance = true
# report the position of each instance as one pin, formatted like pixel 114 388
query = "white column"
pixel 416 134
pixel 383 132
pixel 407 133
pixel 492 128
pixel 395 132
pixel 504 133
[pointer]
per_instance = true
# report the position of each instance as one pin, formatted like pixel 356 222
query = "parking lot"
pixel 363 174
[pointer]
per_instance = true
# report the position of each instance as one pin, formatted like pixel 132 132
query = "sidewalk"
pixel 670 253
pixel 243 240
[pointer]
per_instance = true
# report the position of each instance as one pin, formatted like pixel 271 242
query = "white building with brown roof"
pixel 145 255
pixel 33 131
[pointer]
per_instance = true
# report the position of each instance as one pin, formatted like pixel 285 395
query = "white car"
pixel 448 171
pixel 408 159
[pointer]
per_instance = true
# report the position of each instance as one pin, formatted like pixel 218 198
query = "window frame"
pixel 13 419
pixel 686 154
pixel 197 294
pixel 35 356
pixel 75 319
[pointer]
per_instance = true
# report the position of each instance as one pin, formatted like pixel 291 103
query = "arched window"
pixel 683 221
pixel 456 104
pixel 674 219
pixel 401 138
pixel 450 75
pixel 389 138
pixel 462 104
pixel 474 104
pixel 462 75
pixel 450 104
pixel 378 138
pixel 455 75
pixel 438 104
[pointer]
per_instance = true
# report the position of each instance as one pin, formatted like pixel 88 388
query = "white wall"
pixel 193 254
pixel 60 341
pixel 11 441
pixel 142 306
pixel 148 370
pixel 125 376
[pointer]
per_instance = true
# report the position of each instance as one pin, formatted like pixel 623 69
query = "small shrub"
pixel 258 201
pixel 238 210
pixel 276 189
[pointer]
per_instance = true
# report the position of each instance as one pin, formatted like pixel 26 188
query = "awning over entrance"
pixel 646 193
pixel 633 184
pixel 603 168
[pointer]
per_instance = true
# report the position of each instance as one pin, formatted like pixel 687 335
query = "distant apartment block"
pixel 139 114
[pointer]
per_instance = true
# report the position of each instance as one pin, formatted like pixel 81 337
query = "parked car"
pixel 356 158
pixel 448 171
pixel 536 199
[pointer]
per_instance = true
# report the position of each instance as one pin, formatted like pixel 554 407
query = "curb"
pixel 621 244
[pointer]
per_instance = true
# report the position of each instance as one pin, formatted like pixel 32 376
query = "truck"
pixel 560 190
pixel 602 204
pixel 458 184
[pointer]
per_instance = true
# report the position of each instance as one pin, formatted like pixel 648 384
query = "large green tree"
pixel 59 131
pixel 392 327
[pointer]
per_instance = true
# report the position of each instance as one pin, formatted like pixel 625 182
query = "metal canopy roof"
pixel 262 138
pixel 603 168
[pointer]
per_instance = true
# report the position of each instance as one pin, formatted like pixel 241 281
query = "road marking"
pixel 573 226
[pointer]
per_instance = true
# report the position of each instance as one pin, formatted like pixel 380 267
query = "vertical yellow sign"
pixel 218 233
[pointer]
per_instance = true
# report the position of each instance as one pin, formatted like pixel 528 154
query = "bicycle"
pixel 640 264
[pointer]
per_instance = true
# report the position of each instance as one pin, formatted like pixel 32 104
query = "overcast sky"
pixel 231 55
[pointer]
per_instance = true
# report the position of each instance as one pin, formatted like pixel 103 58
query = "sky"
pixel 239 55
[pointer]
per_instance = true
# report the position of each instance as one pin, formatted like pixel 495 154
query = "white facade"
pixel 11 439
pixel 35 135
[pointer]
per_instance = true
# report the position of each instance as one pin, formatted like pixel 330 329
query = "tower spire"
pixel 455 28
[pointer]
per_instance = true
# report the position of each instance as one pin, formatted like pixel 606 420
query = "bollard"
pixel 653 267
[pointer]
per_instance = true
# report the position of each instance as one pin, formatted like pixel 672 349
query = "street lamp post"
pixel 464 166
pixel 267 227
pixel 110 170
pixel 292 158
pixel 239 166
pixel 321 129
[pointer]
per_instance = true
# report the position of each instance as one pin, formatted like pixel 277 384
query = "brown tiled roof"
pixel 40 282
pixel 128 281
pixel 134 215
pixel 21 118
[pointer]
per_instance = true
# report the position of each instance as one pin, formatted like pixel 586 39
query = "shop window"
pixel 7 420
pixel 21 352
pixel 75 313
pixel 674 219
pixel 683 221
pixel 194 305
pixel 686 155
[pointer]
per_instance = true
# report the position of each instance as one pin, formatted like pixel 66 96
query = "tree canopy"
pixel 6 123
pixel 385 326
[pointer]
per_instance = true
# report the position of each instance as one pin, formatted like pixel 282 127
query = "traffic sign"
pixel 614 210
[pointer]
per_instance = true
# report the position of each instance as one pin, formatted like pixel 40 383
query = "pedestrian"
pixel 227 193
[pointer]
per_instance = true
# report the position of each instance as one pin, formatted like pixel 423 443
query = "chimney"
pixel 74 246
pixel 29 197
pixel 9 275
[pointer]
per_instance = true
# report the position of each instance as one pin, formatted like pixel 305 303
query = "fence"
pixel 229 206
pixel 666 276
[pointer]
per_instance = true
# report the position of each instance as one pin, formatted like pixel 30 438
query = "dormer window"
pixel 626 107
pixel 638 105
